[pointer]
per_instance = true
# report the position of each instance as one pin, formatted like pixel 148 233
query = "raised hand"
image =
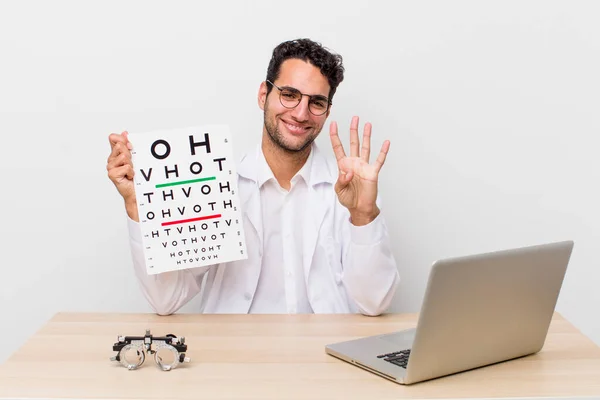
pixel 120 171
pixel 356 186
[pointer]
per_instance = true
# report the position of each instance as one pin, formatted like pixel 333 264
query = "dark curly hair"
pixel 329 64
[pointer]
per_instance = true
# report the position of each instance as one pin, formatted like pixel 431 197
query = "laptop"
pixel 478 310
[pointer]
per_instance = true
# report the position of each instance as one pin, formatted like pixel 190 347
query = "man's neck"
pixel 284 164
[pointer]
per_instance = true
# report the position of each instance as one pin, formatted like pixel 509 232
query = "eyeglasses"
pixel 291 97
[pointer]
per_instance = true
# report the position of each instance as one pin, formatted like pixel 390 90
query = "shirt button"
pixel 289 273
pixel 247 295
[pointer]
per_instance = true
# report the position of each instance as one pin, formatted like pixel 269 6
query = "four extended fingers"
pixel 365 149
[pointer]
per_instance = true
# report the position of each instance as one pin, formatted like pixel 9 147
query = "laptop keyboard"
pixel 399 358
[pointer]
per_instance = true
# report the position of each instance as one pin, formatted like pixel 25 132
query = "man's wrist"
pixel 359 218
pixel 132 210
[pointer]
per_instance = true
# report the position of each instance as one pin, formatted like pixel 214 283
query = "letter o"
pixel 167 148
pixel 195 163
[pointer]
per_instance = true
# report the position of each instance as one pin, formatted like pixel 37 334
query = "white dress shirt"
pixel 281 287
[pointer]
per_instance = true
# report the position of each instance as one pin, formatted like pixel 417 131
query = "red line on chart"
pixel 183 221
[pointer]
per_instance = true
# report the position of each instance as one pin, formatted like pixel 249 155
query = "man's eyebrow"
pixel 297 90
pixel 289 87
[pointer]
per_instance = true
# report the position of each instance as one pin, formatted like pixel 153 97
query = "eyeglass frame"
pixel 310 97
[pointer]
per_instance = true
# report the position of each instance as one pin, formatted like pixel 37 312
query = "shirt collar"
pixel 265 173
pixel 316 170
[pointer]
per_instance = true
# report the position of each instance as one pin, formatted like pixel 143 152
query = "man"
pixel 315 237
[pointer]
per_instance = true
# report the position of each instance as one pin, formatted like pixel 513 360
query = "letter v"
pixel 147 177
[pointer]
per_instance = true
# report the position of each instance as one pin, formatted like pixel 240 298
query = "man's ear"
pixel 262 95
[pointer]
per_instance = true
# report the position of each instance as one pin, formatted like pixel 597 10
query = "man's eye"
pixel 289 95
pixel 321 104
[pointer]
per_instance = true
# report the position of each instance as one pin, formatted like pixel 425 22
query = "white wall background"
pixel 492 108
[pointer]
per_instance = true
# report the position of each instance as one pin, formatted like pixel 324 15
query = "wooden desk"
pixel 271 357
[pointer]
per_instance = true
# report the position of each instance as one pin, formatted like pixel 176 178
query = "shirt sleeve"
pixel 371 275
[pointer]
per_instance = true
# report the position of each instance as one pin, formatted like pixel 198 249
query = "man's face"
pixel 294 129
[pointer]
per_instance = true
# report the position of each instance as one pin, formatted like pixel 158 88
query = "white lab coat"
pixel 347 268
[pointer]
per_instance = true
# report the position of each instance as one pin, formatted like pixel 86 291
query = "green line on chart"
pixel 162 185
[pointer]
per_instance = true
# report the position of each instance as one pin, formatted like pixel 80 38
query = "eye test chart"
pixel 188 203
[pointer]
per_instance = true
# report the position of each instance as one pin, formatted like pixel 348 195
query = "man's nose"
pixel 301 111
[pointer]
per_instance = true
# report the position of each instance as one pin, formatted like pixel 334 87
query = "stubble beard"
pixel 278 139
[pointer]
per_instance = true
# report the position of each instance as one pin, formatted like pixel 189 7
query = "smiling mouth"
pixel 295 129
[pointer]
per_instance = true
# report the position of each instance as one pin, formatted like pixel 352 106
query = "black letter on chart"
pixel 146 177
pixel 193 144
pixel 167 148
pixel 148 196
pixel 219 160
pixel 169 171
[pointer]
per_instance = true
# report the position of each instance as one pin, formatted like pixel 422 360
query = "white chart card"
pixel 187 196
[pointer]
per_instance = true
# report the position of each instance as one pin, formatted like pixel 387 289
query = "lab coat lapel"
pixel 252 211
pixel 250 195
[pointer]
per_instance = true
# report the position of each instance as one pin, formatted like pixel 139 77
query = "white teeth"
pixel 295 128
